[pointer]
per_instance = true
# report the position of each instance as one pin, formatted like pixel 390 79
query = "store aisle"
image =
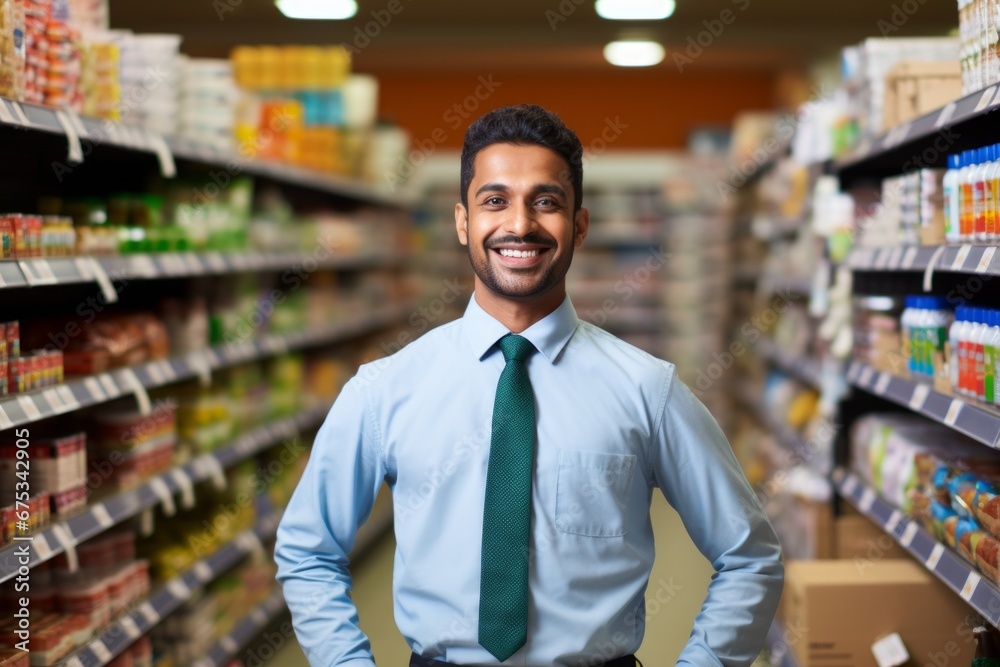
pixel 676 590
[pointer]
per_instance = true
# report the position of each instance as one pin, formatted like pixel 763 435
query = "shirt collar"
pixel 549 335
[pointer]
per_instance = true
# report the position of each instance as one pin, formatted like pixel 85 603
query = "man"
pixel 522 466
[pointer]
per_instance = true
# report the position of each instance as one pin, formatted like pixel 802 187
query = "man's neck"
pixel 519 314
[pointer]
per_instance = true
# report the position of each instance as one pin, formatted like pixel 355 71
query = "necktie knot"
pixel 516 348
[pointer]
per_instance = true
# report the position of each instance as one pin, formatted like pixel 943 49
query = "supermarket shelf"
pixel 888 154
pixel 122 507
pixel 966 416
pixel 286 173
pixel 122 633
pixel 780 652
pixel 97 132
pixel 967 258
pixel 244 632
pixel 75 270
pixel 22 409
pixel 789 439
pixel 947 565
pixel 274 606
pixel 806 369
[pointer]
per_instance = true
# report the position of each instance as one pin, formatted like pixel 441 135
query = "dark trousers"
pixel 627 661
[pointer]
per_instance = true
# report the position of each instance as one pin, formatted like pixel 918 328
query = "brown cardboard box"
pixel 914 88
pixel 857 537
pixel 836 609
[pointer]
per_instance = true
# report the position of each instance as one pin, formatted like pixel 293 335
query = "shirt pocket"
pixel 592 492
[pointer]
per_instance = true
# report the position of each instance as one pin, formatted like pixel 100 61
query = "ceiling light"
pixel 635 10
pixel 330 10
pixel 634 53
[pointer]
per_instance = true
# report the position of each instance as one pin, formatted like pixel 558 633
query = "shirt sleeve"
pixel 698 473
pixel 332 500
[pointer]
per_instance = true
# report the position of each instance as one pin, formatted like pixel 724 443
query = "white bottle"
pixel 951 200
pixel 954 344
pixel 938 320
pixel 906 328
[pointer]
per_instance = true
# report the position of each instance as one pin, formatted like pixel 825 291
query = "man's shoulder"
pixel 407 355
pixel 622 355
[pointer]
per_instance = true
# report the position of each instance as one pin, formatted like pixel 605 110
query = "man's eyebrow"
pixel 541 188
pixel 492 187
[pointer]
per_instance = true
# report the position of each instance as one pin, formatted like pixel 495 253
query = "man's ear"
pixel 581 227
pixel 462 224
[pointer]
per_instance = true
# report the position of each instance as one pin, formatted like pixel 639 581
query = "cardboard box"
pixel 914 88
pixel 857 537
pixel 836 609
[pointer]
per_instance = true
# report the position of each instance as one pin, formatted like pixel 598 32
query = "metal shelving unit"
pixel 959 575
pixel 969 417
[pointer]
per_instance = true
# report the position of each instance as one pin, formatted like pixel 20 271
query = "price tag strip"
pixel 5 116
pixel 108 385
pixel 102 516
pixel 186 486
pixel 28 407
pixel 866 376
pixel 209 467
pixel 919 398
pixel 54 400
pixel 41 547
pixel 162 492
pixel 985 100
pixel 909 533
pixel 850 485
pixel 945 115
pixel 895 257
pixel 910 257
pixel 168 168
pixel 867 499
pixel 130 628
pixel 103 280
pixel 963 254
pixel 94 389
pixel 935 557
pixel 202 571
pixel 954 410
pixel 931 265
pixel 100 651
pixel 5 421
pixel 200 367
pixel 131 383
pixel 893 522
pixel 882 383
pixel 971 584
pixel 68 397
pixel 65 538
pixel 149 613
pixel 179 589
pixel 75 150
pixel 22 117
pixel 986 260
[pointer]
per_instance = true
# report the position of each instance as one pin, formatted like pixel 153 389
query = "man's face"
pixel 520 227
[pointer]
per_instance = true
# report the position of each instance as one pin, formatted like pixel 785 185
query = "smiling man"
pixel 533 442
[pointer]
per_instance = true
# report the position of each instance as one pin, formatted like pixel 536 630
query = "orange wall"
pixel 659 107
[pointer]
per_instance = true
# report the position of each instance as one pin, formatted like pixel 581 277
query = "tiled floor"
pixel 680 576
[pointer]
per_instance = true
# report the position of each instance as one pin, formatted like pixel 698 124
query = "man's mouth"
pixel 512 252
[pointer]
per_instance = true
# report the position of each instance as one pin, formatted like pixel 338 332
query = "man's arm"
pixel 700 477
pixel 317 531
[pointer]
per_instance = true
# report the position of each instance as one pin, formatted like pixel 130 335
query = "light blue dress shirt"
pixel 613 424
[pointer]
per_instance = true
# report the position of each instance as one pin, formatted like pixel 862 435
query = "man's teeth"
pixel 518 253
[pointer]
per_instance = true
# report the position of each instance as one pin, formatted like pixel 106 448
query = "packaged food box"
pixel 837 610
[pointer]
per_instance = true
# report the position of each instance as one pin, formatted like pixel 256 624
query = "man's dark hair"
pixel 523 125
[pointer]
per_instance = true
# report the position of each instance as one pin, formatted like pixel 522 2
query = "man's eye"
pixel 546 202
pixel 494 201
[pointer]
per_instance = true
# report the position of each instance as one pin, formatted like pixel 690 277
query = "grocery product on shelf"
pixel 130 446
pixel 58 469
pixel 937 476
pixel 925 322
pixel 208 102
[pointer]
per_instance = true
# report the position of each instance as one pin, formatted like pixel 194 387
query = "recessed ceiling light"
pixel 635 10
pixel 330 10
pixel 634 53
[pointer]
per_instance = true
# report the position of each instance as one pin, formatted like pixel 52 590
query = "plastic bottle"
pixel 954 346
pixel 906 328
pixel 964 332
pixel 939 319
pixel 980 336
pixel 967 211
pixel 951 200
pixel 979 194
pixel 990 353
pixel 989 213
pixel 992 197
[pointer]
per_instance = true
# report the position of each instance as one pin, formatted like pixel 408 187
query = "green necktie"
pixel 503 589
